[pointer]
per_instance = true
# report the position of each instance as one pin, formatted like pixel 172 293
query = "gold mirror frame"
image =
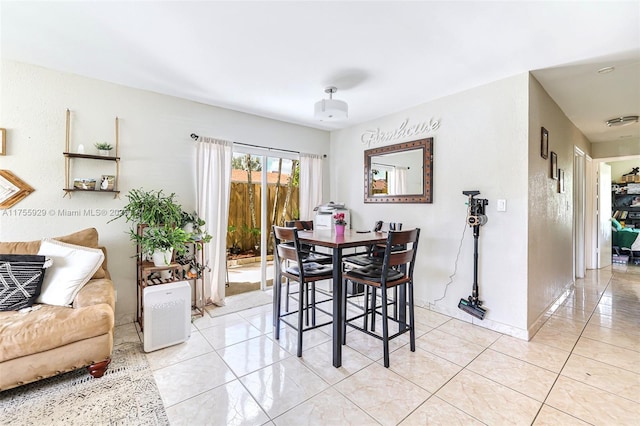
pixel 12 189
pixel 426 145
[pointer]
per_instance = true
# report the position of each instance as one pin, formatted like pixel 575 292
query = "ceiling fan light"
pixel 622 121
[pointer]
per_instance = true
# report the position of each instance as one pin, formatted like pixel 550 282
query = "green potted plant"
pixel 162 242
pixel 162 216
pixel 152 208
pixel 193 224
pixel 104 148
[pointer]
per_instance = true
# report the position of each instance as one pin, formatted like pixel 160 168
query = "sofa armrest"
pixel 95 292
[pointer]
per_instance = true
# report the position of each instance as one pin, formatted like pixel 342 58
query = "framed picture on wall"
pixel 3 141
pixel 554 165
pixel 544 143
pixel 107 183
pixel 561 181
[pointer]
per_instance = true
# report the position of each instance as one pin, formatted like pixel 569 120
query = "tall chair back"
pixel 394 272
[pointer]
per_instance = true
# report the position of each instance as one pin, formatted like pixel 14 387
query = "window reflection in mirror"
pixel 399 173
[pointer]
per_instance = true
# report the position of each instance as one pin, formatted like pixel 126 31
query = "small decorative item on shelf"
pixel 104 148
pixel 84 184
pixel 340 223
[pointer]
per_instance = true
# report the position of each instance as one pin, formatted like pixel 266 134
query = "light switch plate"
pixel 502 205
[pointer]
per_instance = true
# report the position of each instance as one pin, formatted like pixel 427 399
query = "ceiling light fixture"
pixel 622 121
pixel 331 109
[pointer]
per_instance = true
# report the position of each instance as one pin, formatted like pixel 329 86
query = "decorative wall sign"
pixel 376 136
pixel 544 143
pixel 3 141
pixel 12 189
pixel 561 181
pixel 554 165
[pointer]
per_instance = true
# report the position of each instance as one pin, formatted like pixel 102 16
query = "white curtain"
pixel 310 184
pixel 213 172
pixel 400 180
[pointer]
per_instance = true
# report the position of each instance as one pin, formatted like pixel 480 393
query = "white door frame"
pixel 579 191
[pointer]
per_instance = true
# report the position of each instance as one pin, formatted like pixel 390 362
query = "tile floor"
pixel 582 367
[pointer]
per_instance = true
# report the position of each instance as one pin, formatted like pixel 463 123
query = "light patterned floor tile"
pixel 429 318
pixel 196 345
pixel 449 347
pixel 423 368
pixel 466 330
pixel 289 339
pixel 220 336
pixel 565 325
pixel 319 359
pixel 611 336
pixel 591 404
pixel 126 333
pixel 186 379
pixel 327 408
pixel 370 389
pixel 228 404
pixel 534 353
pixel 468 392
pixel 283 385
pixel 610 354
pixel 436 412
pixel 252 355
pixel 551 336
pixel 518 375
pixel 571 313
pixel 549 416
pixel 603 376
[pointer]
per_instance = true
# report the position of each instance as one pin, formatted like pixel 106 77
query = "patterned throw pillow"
pixel 21 277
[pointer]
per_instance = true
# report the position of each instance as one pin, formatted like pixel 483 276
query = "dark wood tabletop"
pixel 351 238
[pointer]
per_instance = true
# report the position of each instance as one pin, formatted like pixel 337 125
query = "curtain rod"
pixel 195 137
pixel 388 165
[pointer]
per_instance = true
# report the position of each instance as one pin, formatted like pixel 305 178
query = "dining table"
pixel 337 243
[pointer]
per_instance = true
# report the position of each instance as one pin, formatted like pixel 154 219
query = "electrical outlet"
pixel 502 205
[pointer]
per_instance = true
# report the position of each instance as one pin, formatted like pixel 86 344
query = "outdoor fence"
pixel 241 234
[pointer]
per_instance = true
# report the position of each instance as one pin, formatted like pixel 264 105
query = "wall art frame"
pixel 544 143
pixel 554 165
pixel 12 189
pixel 3 141
pixel 561 181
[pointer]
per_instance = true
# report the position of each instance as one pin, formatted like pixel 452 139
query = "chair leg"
pixel 277 306
pixel 301 304
pixel 365 319
pixel 385 327
pixel 374 292
pixel 286 301
pixel 343 308
pixel 412 330
pixel 313 303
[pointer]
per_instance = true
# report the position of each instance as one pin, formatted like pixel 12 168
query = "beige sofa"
pixel 54 339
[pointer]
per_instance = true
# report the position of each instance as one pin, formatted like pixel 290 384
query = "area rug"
pixel 126 395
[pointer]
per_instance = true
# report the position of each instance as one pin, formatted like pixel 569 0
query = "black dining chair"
pixel 395 271
pixel 290 265
pixel 309 254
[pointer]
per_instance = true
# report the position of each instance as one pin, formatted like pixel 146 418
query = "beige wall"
pixel 619 168
pixel 156 151
pixel 550 215
pixel 615 148
pixel 481 144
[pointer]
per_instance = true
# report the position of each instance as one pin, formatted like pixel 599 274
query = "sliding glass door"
pixel 264 191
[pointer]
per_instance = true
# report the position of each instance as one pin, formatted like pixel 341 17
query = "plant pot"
pixel 104 152
pixel 162 257
pixel 188 228
pixel 340 229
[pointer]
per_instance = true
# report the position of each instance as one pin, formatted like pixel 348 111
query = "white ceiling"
pixel 274 59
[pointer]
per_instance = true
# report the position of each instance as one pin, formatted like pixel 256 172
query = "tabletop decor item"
pixel 340 223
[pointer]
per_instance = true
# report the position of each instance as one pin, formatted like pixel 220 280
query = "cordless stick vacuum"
pixel 475 218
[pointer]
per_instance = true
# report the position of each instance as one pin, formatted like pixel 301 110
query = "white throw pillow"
pixel 73 266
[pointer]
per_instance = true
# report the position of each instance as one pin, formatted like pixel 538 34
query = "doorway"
pixel 264 191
